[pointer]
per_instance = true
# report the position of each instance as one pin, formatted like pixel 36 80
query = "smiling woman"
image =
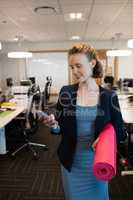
pixel 83 110
pixel 95 70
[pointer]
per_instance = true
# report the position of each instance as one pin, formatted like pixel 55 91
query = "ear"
pixel 93 61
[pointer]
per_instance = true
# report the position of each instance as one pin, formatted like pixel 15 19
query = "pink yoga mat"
pixel 104 166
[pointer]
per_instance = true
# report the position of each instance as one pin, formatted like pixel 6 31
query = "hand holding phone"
pixel 48 120
pixel 42 115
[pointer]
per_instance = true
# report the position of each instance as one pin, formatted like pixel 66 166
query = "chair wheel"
pixel 13 156
pixel 36 156
pixel 27 148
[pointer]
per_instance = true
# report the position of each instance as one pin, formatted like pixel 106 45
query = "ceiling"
pixel 102 20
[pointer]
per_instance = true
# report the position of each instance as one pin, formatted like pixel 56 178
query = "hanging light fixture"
pixel 19 53
pixel 118 52
pixel 121 52
pixel 130 43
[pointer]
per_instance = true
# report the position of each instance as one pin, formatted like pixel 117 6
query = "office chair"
pixel 29 126
pixel 125 152
pixel 9 82
pixel 45 96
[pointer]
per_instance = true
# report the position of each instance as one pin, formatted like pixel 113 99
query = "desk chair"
pixel 29 126
pixel 125 152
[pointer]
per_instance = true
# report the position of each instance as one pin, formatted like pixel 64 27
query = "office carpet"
pixel 24 178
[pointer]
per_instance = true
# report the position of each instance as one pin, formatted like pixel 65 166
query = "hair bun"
pixel 98 70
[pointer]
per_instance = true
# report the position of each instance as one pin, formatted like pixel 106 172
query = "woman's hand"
pixel 94 144
pixel 50 121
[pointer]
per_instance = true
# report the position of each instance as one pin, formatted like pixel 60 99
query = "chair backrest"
pixel 31 121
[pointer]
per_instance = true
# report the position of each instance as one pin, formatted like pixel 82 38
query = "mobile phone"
pixel 41 114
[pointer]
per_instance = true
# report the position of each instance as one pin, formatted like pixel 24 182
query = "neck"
pixel 89 84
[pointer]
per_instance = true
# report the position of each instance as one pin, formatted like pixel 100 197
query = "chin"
pixel 82 80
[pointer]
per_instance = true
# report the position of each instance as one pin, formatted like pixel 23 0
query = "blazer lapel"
pixel 100 118
pixel 74 96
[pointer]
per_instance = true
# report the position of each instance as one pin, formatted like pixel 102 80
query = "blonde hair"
pixel 91 53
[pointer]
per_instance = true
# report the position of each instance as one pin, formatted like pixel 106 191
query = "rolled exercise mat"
pixel 104 165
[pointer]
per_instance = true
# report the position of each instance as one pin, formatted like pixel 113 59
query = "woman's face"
pixel 81 67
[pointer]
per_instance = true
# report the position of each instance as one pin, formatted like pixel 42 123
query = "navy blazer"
pixel 108 110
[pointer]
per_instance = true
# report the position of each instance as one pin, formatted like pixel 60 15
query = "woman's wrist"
pixel 55 126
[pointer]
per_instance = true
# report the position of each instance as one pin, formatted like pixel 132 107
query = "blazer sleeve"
pixel 116 118
pixel 58 113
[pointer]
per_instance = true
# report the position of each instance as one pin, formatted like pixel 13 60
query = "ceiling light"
pixel 79 15
pixel 75 16
pixel 0 46
pixel 75 37
pixel 119 53
pixel 72 15
pixel 16 39
pixel 19 54
pixel 130 43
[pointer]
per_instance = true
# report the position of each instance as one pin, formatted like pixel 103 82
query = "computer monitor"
pixel 25 82
pixel 9 82
pixel 128 82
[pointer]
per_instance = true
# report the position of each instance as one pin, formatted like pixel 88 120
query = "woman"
pixel 83 109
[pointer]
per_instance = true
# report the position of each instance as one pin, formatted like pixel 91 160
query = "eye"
pixel 78 66
pixel 72 67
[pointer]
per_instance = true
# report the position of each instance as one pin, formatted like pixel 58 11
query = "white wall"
pixel 126 67
pixel 11 68
pixel 16 68
pixel 53 64
pixel 0 73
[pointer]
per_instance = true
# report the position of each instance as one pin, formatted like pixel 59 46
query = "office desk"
pixel 127 114
pixel 10 116
pixel 4 120
pixel 126 108
pixel 23 103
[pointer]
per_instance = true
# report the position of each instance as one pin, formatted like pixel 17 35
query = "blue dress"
pixel 80 183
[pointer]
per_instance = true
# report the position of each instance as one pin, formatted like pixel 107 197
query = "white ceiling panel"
pixel 36 3
pixel 10 34
pixel 11 4
pixel 75 29
pixel 76 2
pixel 94 32
pixel 110 1
pixel 127 32
pixel 2 17
pixel 43 23
pixel 48 36
pixel 126 16
pixel 101 19
pixel 15 13
pixel 104 13
pixel 32 4
pixel 76 8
